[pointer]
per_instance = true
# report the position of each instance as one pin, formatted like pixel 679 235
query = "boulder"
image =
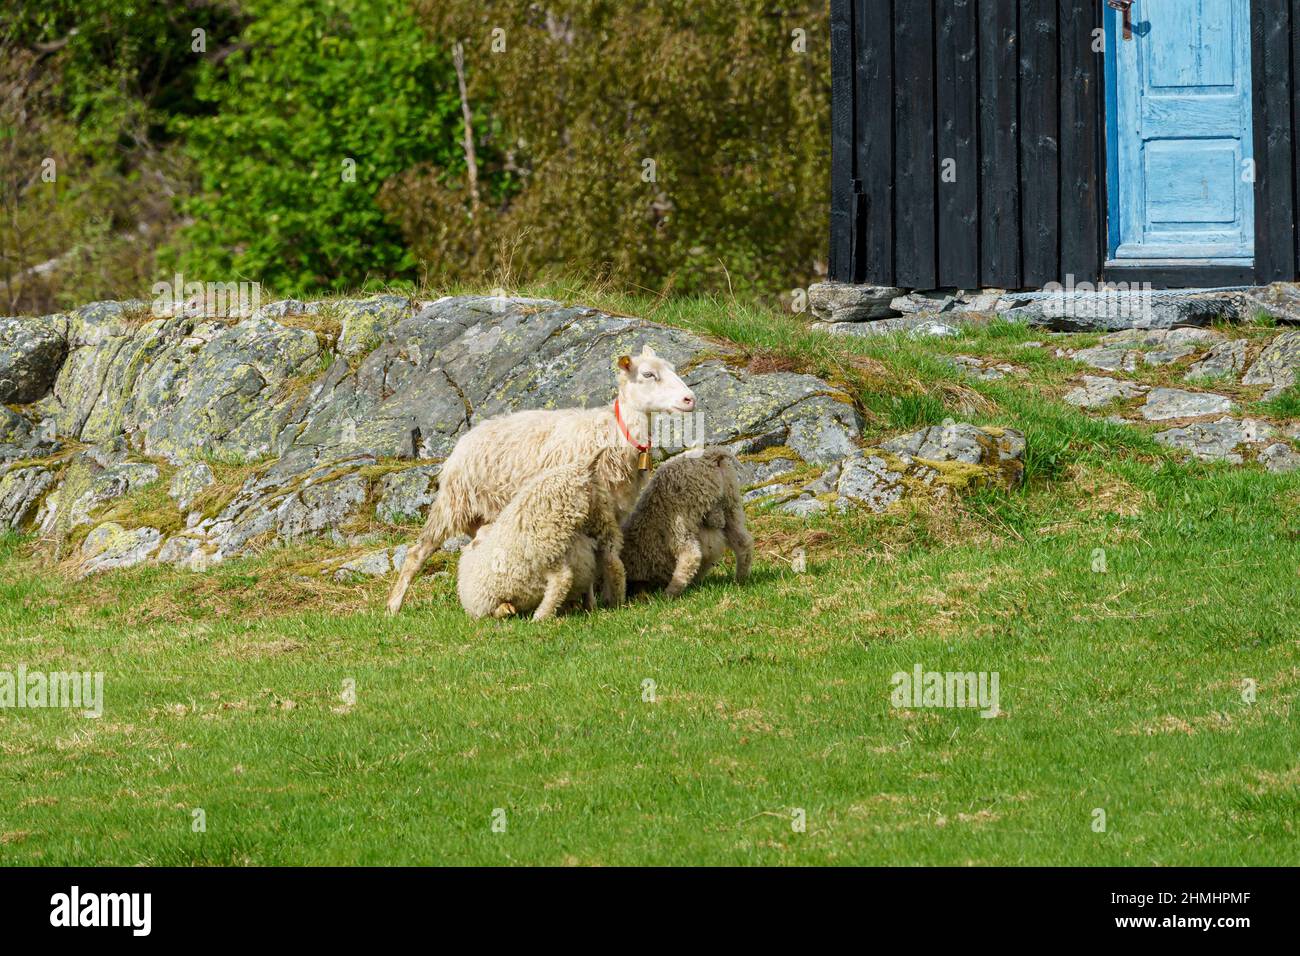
pixel 1281 300
pixel 1276 365
pixel 1216 441
pixel 844 302
pixel 21 490
pixel 1105 311
pixel 1165 403
pixel 1097 391
pixel 1280 457
pixel 374 564
pixel 1224 360
pixel 111 546
pixel 31 352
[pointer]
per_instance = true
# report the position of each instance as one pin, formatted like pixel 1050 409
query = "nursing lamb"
pixel 687 516
pixel 539 554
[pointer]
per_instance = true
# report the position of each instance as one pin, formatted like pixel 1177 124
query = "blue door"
pixel 1181 170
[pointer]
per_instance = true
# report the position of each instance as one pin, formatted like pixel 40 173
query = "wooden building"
pixel 1013 143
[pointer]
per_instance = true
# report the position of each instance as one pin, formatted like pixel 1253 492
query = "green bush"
pixel 585 94
pixel 325 100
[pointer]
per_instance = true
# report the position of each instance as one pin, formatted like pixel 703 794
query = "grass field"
pixel 1126 600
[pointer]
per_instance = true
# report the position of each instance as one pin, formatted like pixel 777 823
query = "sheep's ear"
pixel 625 362
pixel 647 352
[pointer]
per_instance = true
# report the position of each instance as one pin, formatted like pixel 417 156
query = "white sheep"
pixel 689 513
pixel 494 459
pixel 540 553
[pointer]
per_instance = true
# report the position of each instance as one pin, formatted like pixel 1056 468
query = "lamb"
pixel 540 553
pixel 689 513
pixel 494 458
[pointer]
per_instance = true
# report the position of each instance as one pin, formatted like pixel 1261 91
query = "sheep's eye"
pixel 650 375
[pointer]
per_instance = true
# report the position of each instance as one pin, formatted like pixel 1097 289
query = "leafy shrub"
pixel 324 101
pixel 585 94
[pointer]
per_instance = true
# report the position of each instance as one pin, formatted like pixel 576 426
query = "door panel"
pixel 1181 123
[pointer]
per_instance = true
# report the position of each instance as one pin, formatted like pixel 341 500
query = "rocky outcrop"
pixel 184 440
pixel 933 463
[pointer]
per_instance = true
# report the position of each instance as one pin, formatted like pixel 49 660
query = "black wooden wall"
pixel 1009 96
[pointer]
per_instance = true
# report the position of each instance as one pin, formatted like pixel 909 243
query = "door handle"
pixel 1125 7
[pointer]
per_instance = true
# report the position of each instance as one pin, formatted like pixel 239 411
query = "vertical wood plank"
pixel 1039 143
pixel 1292 264
pixel 873 39
pixel 957 95
pixel 1275 253
pixel 840 265
pixel 914 144
pixel 1081 181
pixel 999 145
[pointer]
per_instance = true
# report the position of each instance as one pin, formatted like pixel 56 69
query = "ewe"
pixel 494 459
pixel 689 512
pixel 540 553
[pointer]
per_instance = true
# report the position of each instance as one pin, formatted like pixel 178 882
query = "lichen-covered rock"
pixel 406 495
pixel 1224 360
pixel 111 483
pixel 1216 441
pixel 20 437
pixel 1108 358
pixel 869 480
pixel 805 506
pixel 364 322
pixel 20 494
pixel 1097 391
pixel 1280 457
pixel 759 471
pixel 1277 364
pixel 936 461
pixel 328 394
pixel 31 351
pixel 185 550
pixel 1281 300
pixel 372 565
pixel 189 482
pixel 957 441
pixel 1165 403
pixel 111 546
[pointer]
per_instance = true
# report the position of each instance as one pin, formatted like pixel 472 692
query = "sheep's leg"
pixel 689 557
pixel 741 542
pixel 603 526
pixel 613 584
pixel 436 530
pixel 589 598
pixel 415 558
pixel 558 583
pixel 504 609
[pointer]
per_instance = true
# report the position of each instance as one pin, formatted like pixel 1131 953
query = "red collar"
pixel 626 434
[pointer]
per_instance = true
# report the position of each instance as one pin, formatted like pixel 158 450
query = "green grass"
pixel 1120 690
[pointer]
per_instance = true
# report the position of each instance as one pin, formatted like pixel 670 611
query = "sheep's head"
pixel 649 384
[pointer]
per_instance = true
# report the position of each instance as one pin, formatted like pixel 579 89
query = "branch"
pixel 471 161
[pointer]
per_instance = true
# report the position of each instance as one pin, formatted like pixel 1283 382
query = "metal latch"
pixel 1126 8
